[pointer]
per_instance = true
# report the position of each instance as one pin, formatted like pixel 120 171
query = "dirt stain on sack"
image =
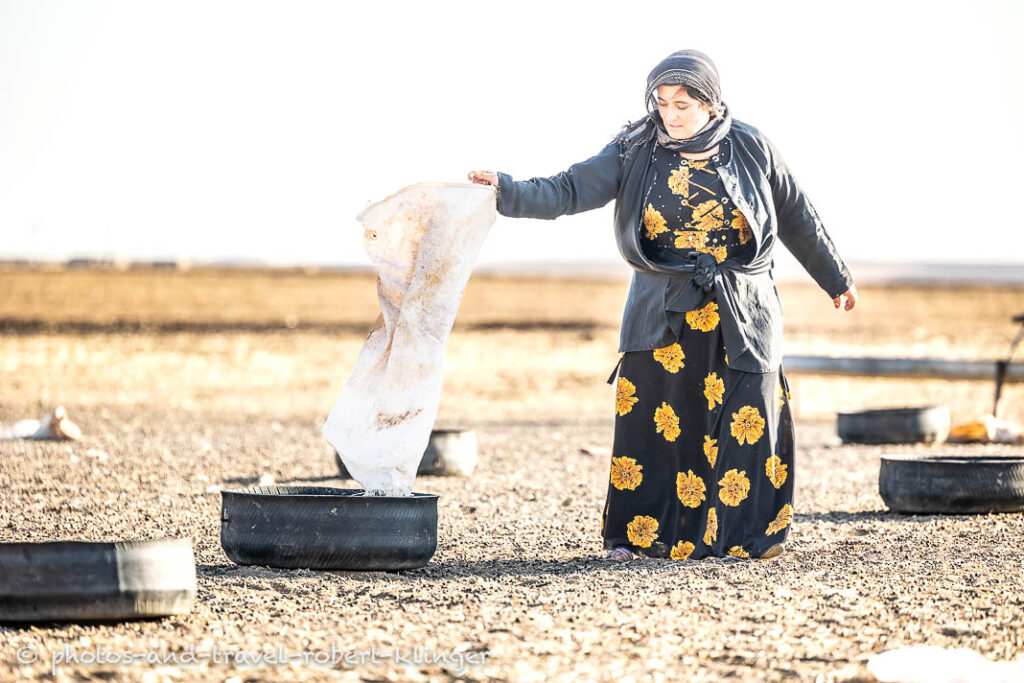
pixel 383 420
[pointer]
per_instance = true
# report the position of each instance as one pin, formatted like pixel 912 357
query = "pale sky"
pixel 259 130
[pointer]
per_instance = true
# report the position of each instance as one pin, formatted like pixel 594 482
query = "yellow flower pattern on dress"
pixel 711 529
pixel 690 489
pixel 679 181
pixel 654 222
pixel 624 396
pixel 703 319
pixel 710 449
pixel 747 425
pixel 739 222
pixel 783 395
pixel 708 215
pixel 781 520
pixel 667 422
pixel 745 479
pixel 670 357
pixel 690 239
pixel 735 487
pixel 718 252
pixel 681 550
pixel 642 531
pixel 714 389
pixel 775 470
pixel 626 473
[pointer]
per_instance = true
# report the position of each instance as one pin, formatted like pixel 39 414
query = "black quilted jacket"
pixel 756 180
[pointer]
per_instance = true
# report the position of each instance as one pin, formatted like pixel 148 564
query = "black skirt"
pixel 702 460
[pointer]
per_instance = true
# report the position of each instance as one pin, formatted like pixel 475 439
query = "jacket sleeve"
pixel 584 186
pixel 801 230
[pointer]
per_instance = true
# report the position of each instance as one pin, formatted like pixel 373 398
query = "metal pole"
pixel 923 368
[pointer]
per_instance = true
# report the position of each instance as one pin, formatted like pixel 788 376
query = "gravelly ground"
pixel 184 382
pixel 516 578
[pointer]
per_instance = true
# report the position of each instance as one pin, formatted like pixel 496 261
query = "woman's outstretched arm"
pixel 801 230
pixel 584 186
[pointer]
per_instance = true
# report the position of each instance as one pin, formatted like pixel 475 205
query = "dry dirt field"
pixel 186 381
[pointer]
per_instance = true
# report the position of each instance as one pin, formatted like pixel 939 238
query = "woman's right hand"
pixel 484 177
pixel 851 298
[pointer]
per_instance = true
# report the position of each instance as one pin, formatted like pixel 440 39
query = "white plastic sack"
pixel 933 664
pixel 54 425
pixel 423 241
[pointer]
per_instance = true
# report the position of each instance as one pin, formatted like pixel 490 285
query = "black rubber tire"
pixel 929 424
pixel 952 484
pixel 316 527
pixel 449 453
pixel 88 581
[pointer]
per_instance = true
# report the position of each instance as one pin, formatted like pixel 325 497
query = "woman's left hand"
pixel 851 298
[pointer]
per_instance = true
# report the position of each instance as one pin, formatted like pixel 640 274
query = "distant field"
pixel 249 339
pixel 967 319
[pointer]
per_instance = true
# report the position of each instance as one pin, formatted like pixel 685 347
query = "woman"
pixel 702 459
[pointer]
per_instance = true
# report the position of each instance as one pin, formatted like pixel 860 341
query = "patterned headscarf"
pixel 697 72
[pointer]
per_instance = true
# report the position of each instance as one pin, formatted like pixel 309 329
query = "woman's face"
pixel 683 115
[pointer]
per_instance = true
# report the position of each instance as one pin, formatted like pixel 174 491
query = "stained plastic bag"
pixel 423 240
pixel 933 664
pixel 987 429
pixel 54 425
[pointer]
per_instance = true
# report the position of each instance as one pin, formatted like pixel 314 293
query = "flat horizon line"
pixel 864 272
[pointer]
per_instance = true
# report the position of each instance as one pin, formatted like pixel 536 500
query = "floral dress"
pixel 702 459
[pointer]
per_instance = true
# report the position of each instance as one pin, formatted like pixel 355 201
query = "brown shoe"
pixel 774 551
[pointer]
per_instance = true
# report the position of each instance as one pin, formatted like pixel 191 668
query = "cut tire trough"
pixel 316 527
pixel 952 484
pixel 91 581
